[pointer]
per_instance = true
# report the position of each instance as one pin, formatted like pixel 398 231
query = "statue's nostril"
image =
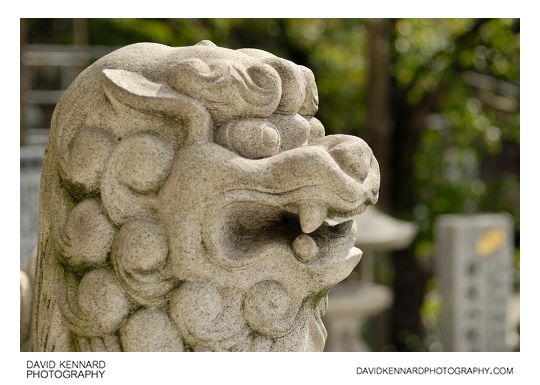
pixel 352 158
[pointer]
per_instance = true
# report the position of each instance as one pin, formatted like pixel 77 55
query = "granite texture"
pixel 186 200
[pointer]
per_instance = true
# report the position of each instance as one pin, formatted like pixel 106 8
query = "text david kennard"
pixel 65 369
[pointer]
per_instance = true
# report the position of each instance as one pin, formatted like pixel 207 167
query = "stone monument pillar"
pixel 474 266
pixel 184 203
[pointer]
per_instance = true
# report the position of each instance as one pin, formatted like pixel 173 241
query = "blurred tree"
pixel 455 90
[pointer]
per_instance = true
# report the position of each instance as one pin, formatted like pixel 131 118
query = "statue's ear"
pixel 134 90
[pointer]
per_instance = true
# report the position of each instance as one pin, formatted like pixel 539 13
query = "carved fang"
pixel 311 216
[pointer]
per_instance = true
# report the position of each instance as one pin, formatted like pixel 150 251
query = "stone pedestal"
pixel 349 305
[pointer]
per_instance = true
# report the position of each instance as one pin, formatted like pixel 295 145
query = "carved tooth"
pixel 354 229
pixel 304 247
pixel 343 228
pixel 311 216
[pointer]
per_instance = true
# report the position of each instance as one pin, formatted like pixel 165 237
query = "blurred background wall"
pixel 436 99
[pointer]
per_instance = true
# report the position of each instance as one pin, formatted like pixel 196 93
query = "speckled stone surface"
pixel 188 203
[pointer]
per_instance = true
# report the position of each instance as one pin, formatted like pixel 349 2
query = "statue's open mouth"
pixel 300 232
pixel 304 225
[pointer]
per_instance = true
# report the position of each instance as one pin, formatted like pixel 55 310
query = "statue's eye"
pixel 251 138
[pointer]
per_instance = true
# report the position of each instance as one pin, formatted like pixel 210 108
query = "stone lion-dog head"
pixel 186 205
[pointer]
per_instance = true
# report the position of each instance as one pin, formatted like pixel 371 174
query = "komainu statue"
pixel 190 201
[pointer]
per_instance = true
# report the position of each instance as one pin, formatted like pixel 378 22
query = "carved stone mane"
pixel 185 204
